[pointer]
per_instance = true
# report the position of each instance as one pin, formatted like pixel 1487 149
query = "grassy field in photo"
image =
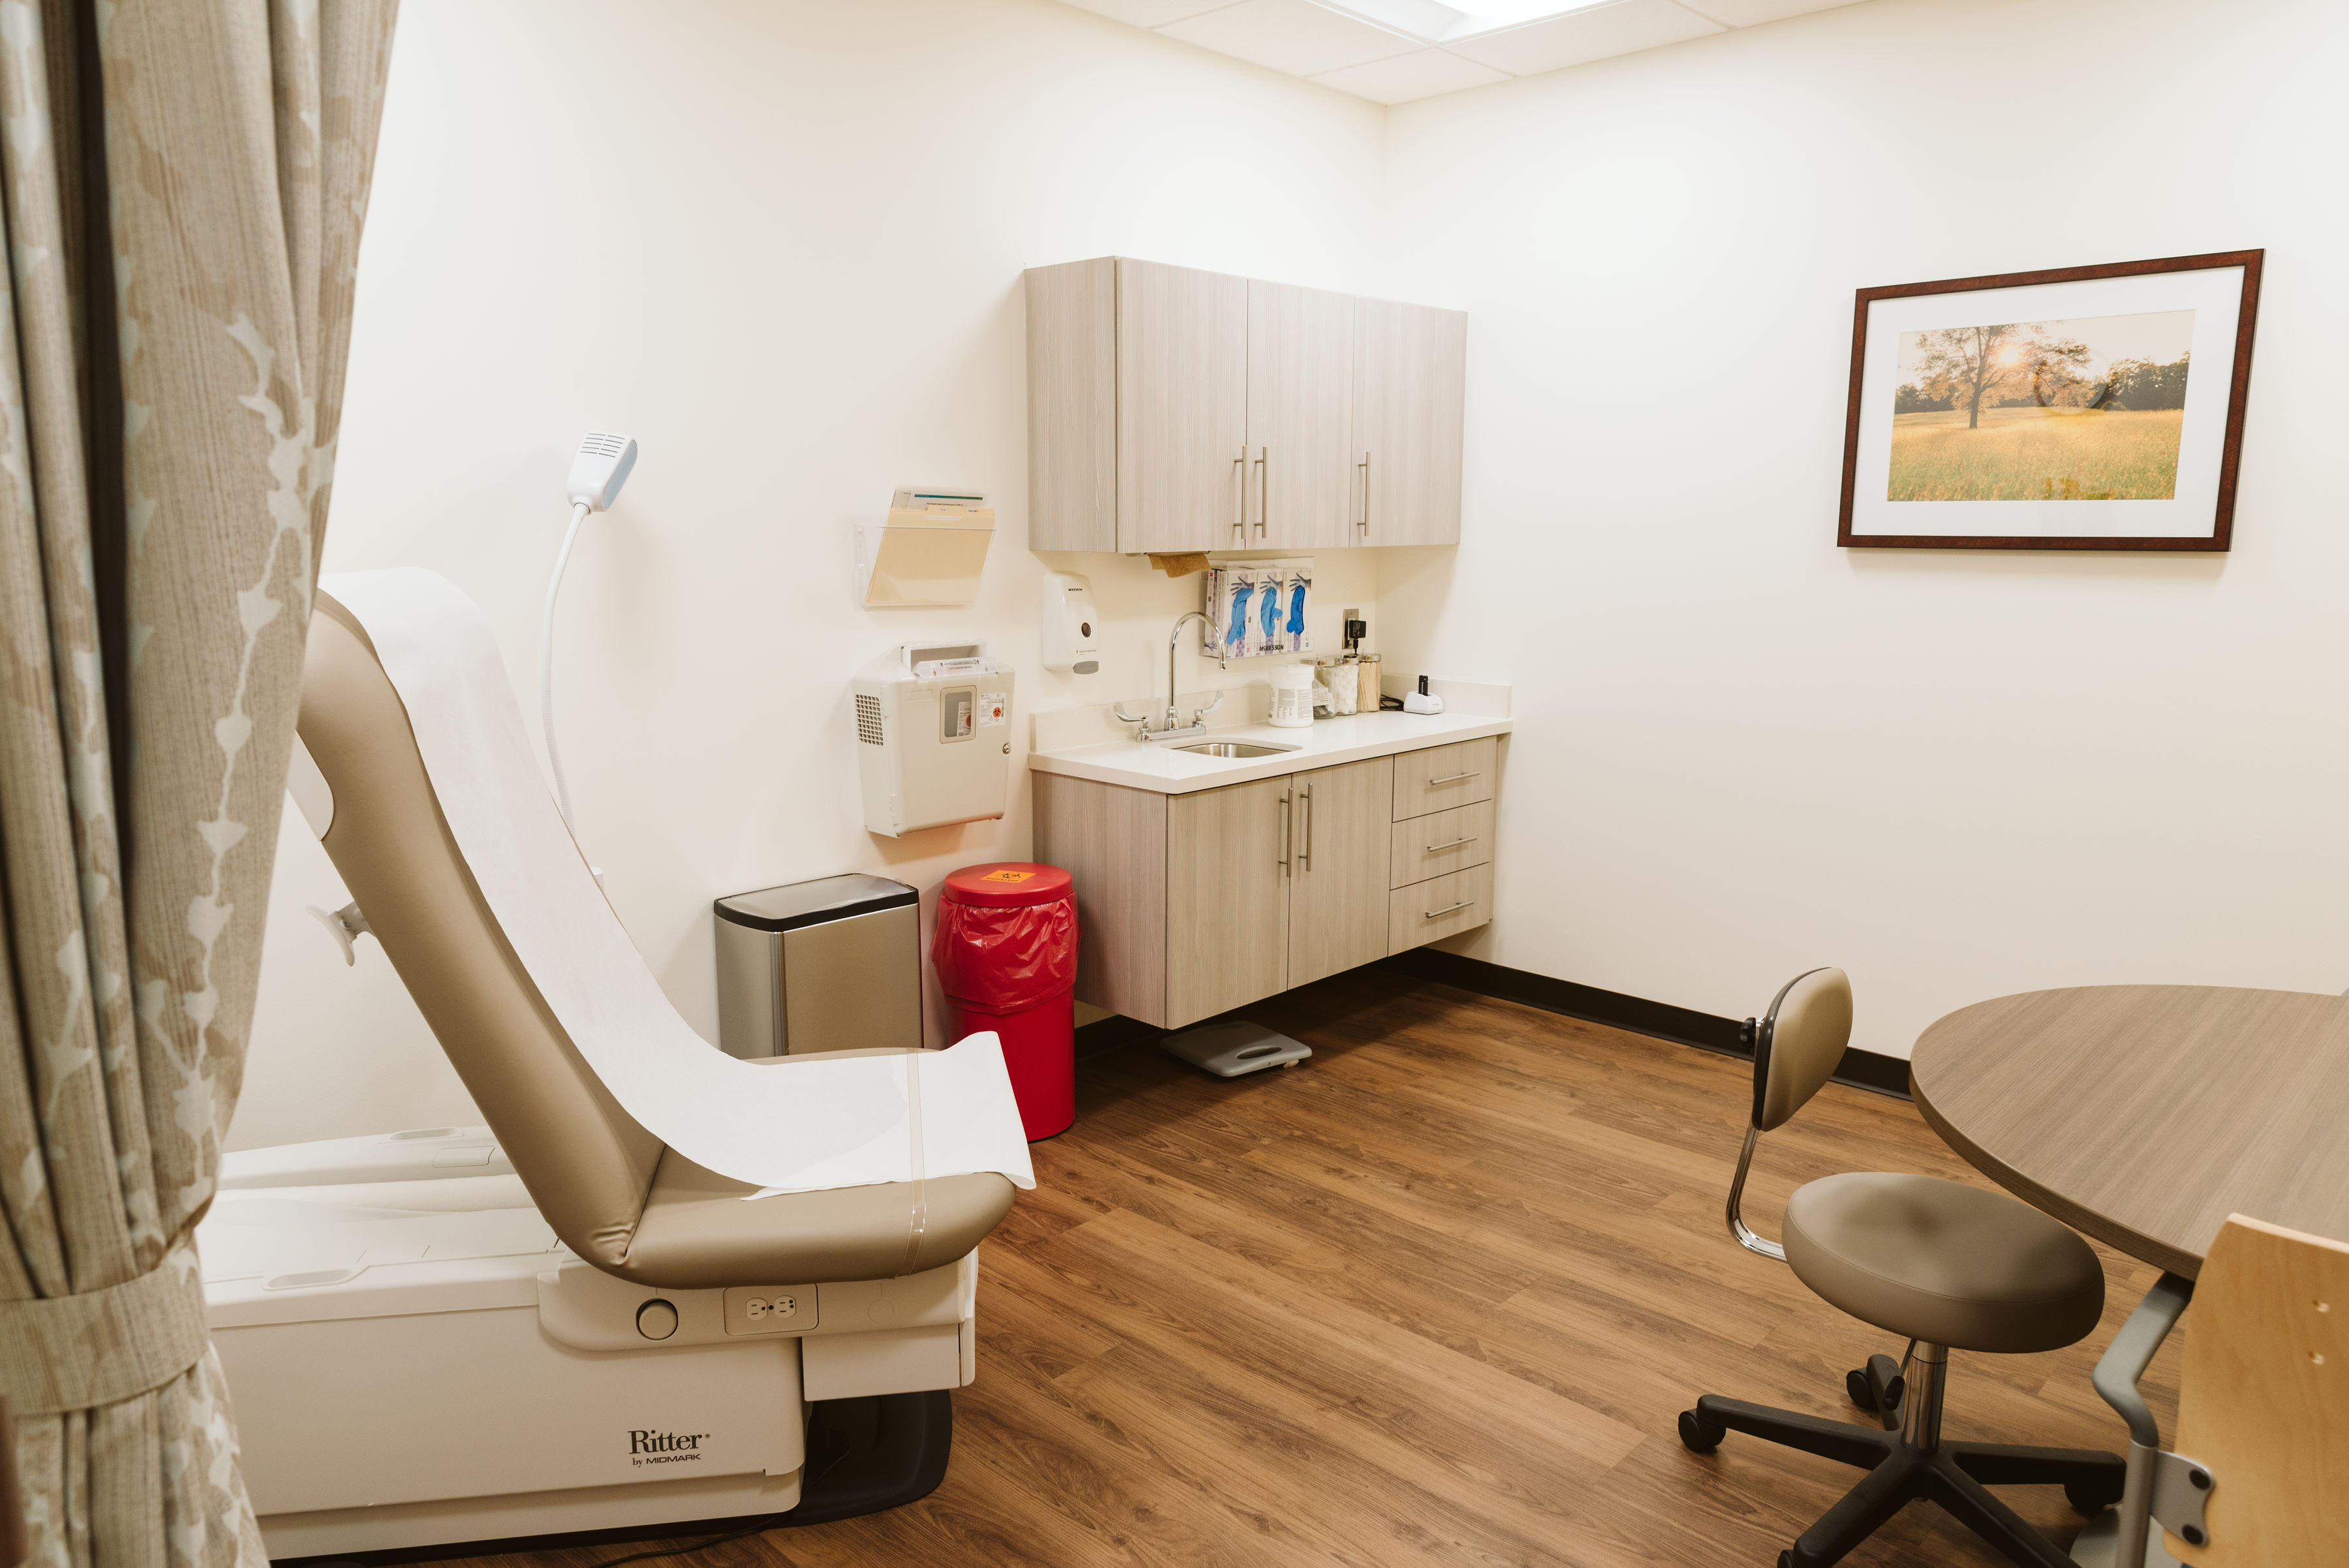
pixel 2036 455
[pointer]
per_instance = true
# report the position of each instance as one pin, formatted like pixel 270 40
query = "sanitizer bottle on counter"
pixel 1292 696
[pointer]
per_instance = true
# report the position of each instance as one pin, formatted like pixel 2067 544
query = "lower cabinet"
pixel 1338 870
pixel 1228 866
pixel 1192 905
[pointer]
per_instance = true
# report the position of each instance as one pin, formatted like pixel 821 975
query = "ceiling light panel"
pixel 1746 13
pixel 1596 33
pixel 1293 35
pixel 1147 13
pixel 1415 75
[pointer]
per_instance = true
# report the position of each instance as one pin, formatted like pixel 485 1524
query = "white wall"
pixel 780 244
pixel 1741 751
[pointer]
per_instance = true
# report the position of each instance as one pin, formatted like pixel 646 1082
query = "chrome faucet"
pixel 1169 724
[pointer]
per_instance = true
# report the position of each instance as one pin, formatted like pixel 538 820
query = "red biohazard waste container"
pixel 1006 953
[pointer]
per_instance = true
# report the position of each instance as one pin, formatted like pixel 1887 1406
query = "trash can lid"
pixel 798 904
pixel 1007 884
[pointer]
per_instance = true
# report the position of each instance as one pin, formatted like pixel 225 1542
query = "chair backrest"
pixel 2264 1401
pixel 1799 1045
pixel 588 1164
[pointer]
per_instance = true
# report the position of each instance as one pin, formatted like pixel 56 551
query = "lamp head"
pixel 600 467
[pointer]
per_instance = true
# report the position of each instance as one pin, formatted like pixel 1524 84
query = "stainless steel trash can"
pixel 834 964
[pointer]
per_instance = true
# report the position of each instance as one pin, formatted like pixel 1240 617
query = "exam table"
pixel 552 1322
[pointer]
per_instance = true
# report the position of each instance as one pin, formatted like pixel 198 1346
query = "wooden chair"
pixel 2263 1406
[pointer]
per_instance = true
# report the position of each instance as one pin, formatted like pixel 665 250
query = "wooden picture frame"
pixel 2064 409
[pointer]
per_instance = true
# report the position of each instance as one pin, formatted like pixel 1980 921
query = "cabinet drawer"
pixel 1435 846
pixel 1420 914
pixel 1442 777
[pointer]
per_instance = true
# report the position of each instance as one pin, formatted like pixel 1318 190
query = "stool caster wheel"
pixel 1787 1560
pixel 1699 1436
pixel 2089 1499
pixel 1877 1388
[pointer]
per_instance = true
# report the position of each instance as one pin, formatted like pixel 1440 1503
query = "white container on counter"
pixel 1292 695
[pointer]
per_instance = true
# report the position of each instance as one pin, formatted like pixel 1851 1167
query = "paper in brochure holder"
pixel 795 1125
pixel 930 551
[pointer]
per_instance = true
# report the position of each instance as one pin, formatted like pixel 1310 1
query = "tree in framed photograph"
pixel 2091 408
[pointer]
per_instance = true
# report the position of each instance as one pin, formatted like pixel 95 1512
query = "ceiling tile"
pixel 1147 13
pixel 1746 13
pixel 1623 28
pixel 1409 76
pixel 1293 35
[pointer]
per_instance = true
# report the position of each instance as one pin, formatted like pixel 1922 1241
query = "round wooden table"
pixel 2145 1114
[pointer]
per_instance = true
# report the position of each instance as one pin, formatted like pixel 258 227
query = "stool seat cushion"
pixel 1942 1263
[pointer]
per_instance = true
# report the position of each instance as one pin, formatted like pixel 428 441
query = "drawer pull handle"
pixel 1440 848
pixel 1455 778
pixel 1448 909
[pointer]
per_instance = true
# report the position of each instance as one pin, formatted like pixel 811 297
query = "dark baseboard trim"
pixel 1861 1069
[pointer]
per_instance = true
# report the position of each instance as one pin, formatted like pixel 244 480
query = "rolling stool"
pixel 1945 1266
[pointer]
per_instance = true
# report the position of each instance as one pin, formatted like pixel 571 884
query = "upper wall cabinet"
pixel 1171 410
pixel 1411 384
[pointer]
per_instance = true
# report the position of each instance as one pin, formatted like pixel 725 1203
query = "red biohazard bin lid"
pixel 1007 884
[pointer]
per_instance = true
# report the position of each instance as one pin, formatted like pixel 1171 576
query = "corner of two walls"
pixel 815 298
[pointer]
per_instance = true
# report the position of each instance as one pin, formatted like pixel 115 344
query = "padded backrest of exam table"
pixel 612 1190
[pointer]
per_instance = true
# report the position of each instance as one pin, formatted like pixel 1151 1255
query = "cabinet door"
pixel 1300 416
pixel 1181 406
pixel 1410 378
pixel 1338 895
pixel 1227 859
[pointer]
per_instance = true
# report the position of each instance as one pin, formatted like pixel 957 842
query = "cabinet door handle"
pixel 1285 817
pixel 1448 909
pixel 1440 848
pixel 1365 466
pixel 1263 488
pixel 1305 857
pixel 1239 495
pixel 1454 778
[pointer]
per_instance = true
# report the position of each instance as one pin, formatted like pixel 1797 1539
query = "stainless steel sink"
pixel 1234 749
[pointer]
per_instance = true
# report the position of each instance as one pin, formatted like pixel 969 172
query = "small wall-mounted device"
pixel 933 725
pixel 1072 631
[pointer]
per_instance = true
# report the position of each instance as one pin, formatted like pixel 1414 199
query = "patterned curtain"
pixel 182 184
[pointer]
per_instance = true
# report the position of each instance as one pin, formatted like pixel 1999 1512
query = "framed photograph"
pixel 2090 407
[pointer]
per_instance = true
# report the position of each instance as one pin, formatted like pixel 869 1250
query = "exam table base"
pixel 1956 1475
pixel 863 1456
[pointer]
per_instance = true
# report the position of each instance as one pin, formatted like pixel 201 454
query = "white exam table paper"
pixel 797 1125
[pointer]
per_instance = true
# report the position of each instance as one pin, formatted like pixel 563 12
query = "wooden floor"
pixel 1435 1297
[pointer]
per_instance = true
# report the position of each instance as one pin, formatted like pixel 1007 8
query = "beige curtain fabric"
pixel 183 186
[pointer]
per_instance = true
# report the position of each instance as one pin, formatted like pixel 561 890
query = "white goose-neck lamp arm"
pixel 598 469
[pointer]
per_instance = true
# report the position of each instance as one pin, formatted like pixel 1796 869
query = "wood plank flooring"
pixel 1435 1297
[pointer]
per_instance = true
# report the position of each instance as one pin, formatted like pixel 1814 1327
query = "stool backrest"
pixel 2263 1400
pixel 1799 1044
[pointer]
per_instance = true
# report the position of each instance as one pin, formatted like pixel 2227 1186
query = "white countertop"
pixel 1158 765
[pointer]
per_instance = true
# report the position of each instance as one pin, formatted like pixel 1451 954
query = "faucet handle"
pixel 1200 713
pixel 1118 710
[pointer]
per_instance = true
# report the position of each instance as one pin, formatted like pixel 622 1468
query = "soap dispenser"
pixel 1072 630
